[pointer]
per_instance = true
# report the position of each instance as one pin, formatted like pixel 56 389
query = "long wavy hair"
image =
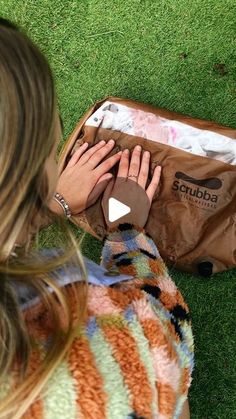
pixel 28 132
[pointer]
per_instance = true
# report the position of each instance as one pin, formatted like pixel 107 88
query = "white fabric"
pixel 115 116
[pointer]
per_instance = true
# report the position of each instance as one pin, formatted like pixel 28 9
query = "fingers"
pixel 107 165
pixel 91 151
pixel 154 183
pixel 99 155
pixel 107 176
pixel 108 190
pixel 143 174
pixel 124 164
pixel 76 156
pixel 135 163
pixel 106 196
pixel 99 188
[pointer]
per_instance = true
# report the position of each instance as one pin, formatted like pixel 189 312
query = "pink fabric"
pixel 148 125
pixel 99 302
pixel 143 310
pixel 167 371
pixel 167 285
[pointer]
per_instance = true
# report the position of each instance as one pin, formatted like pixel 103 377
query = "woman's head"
pixel 29 134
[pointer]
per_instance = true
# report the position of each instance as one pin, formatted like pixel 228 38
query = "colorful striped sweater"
pixel 135 356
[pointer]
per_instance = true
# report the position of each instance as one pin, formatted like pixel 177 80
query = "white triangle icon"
pixel 116 209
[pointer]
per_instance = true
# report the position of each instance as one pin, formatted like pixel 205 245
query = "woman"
pixel 80 350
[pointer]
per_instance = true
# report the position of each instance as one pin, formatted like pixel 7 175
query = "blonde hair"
pixel 28 117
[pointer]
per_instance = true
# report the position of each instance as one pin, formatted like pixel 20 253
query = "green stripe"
pixel 142 266
pixel 59 396
pixel 146 358
pixel 114 386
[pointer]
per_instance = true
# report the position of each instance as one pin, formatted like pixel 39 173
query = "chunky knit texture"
pixel 134 358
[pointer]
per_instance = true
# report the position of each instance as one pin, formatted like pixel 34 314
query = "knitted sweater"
pixel 134 358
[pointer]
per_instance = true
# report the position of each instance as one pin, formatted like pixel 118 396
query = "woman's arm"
pixel 131 251
pixel 83 180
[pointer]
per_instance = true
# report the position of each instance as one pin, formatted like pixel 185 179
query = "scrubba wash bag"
pixel 193 214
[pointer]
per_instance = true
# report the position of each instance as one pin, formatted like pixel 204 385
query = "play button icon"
pixel 126 203
pixel 116 209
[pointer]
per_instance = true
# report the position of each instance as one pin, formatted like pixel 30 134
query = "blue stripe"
pixel 91 327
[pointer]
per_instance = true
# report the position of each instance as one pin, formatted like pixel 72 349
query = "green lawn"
pixel 166 53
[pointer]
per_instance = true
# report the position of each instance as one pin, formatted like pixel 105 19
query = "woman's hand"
pixel 85 177
pixel 130 188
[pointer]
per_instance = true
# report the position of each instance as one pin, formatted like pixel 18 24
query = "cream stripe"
pixel 146 358
pixel 59 396
pixel 114 386
pixel 179 406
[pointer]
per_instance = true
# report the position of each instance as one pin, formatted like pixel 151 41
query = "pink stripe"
pixel 119 247
pixel 161 416
pixel 100 303
pixel 143 309
pixel 167 371
pixel 143 242
pixel 167 285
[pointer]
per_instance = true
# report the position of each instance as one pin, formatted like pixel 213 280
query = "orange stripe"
pixel 118 297
pixel 126 354
pixel 180 300
pixel 166 399
pixel 156 335
pixel 157 266
pixel 36 409
pixel 170 300
pixel 124 295
pixel 128 270
pixel 91 398
pixel 185 381
pixel 154 332
pixel 74 294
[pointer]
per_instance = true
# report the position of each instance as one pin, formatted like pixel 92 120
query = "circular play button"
pixel 123 202
pixel 116 209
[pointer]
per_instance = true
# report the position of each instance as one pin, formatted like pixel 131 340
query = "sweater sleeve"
pixel 129 250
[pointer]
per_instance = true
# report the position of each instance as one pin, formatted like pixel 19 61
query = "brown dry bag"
pixel 193 215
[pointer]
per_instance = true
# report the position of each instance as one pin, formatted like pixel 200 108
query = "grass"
pixel 166 53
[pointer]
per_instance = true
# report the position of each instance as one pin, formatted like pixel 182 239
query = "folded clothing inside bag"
pixel 193 215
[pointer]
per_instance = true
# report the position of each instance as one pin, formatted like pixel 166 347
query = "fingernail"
pixel 85 144
pixel 111 142
pixel 126 151
pixel 147 154
pixel 102 142
pixel 138 148
pixel 119 154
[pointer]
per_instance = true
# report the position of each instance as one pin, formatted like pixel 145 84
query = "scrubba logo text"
pixel 199 195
